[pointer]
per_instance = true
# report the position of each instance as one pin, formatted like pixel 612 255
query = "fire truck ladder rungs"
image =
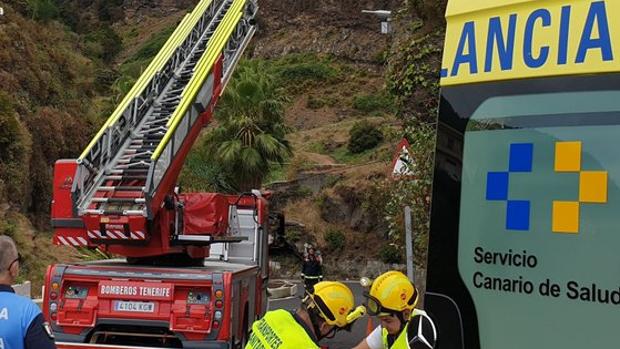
pixel 122 168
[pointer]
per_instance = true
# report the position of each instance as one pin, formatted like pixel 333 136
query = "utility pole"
pixel 409 244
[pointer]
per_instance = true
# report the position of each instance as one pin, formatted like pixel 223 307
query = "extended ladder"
pixel 122 171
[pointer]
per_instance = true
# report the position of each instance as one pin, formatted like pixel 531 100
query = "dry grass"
pixel 36 248
pixel 307 212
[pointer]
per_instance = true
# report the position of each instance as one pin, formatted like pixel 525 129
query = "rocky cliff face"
pixel 330 27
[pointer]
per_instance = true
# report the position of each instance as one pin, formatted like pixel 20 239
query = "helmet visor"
pixel 326 313
pixel 375 308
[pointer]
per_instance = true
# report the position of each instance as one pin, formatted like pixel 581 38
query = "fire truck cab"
pixel 209 305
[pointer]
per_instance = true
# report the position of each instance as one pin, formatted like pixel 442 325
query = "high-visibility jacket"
pixel 401 340
pixel 278 329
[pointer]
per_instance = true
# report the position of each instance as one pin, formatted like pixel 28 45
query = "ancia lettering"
pixel 595 37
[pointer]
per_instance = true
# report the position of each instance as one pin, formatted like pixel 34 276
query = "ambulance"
pixel 524 235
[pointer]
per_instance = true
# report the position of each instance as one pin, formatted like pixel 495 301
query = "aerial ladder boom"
pixel 120 191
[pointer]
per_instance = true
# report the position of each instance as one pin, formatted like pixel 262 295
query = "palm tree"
pixel 250 135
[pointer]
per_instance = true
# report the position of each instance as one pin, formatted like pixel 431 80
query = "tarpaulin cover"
pixel 205 214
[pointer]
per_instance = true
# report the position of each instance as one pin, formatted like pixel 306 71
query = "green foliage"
pixel 304 192
pixel 8 228
pixel 297 72
pixel 372 103
pixel 315 103
pixel 14 153
pixel 292 235
pixel 250 136
pixel 276 174
pixel 332 180
pixel 390 254
pixel 413 81
pixel 297 69
pixel 388 197
pixel 42 10
pixel 103 44
pixel 413 77
pixel 364 136
pixel 321 200
pixel 152 46
pixel 201 175
pixel 132 68
pixel 335 239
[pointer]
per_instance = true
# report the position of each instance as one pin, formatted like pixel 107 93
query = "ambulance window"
pixel 538 218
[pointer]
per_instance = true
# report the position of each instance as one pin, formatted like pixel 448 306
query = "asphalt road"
pixel 342 339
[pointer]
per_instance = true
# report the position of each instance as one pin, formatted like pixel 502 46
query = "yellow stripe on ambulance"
pixel 532 39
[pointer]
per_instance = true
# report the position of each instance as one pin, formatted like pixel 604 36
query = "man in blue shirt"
pixel 21 322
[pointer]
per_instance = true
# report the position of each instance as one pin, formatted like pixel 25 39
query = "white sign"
pixel 1 11
pixel 386 27
pixel 134 307
pixel 403 163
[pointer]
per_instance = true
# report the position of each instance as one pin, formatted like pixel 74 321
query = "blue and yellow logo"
pixel 565 214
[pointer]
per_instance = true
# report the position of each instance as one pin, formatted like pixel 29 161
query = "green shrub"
pixel 292 235
pixel 42 10
pixel 315 103
pixel 201 175
pixel 304 192
pixel 152 46
pixel 372 103
pixel 8 228
pixel 15 148
pixel 298 72
pixel 364 136
pixel 103 44
pixel 390 254
pixel 335 239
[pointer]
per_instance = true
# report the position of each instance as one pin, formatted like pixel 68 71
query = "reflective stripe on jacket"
pixel 401 340
pixel 278 329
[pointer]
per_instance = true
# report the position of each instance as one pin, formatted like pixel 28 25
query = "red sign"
pixel 135 290
pixel 402 163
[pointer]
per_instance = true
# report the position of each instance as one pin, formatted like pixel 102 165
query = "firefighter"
pixel 312 268
pixel 323 312
pixel 392 299
pixel 21 323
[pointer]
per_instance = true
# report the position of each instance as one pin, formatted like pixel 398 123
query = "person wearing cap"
pixel 392 299
pixel 324 311
pixel 21 322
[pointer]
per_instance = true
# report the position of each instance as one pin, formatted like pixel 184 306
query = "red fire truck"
pixel 195 265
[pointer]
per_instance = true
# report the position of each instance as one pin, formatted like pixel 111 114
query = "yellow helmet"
pixel 334 302
pixel 390 293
